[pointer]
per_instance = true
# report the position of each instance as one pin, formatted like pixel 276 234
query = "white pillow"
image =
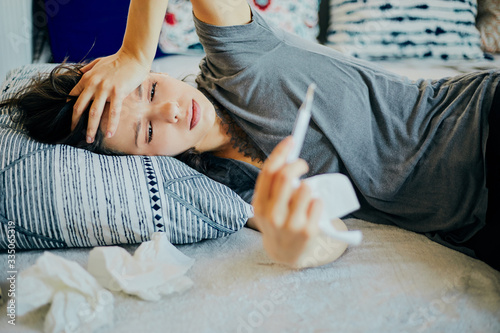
pixel 395 29
pixel 59 196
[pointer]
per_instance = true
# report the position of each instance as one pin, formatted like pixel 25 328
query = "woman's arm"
pixel 144 24
pixel 111 79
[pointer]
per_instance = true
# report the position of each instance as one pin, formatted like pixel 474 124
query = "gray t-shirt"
pixel 414 150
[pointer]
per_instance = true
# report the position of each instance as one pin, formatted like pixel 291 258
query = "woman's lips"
pixel 195 115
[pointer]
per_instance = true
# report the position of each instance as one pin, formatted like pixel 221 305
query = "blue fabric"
pixel 86 29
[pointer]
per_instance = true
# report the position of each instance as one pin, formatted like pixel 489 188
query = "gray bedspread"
pixel 395 281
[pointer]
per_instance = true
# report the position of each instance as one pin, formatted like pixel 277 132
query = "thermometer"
pixel 334 188
pixel 301 124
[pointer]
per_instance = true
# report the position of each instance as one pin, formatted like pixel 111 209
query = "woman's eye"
pixel 153 89
pixel 150 133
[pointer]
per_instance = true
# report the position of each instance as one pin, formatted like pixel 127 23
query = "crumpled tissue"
pixel 78 302
pixel 157 268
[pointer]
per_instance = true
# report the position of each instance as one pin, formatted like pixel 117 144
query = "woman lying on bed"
pixel 419 153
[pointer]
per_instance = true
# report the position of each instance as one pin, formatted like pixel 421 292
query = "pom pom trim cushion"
pixel 390 29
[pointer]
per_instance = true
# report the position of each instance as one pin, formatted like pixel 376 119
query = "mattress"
pixel 395 281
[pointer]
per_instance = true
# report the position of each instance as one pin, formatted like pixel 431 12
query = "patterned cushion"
pixel 59 196
pixel 297 16
pixel 394 29
pixel 488 23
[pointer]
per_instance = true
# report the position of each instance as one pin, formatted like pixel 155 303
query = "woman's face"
pixel 163 116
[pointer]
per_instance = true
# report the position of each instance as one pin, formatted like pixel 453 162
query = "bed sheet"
pixel 396 281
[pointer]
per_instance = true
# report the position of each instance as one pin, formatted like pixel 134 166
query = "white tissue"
pixel 157 268
pixel 339 199
pixel 78 302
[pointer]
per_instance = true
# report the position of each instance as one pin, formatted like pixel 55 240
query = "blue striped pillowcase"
pixel 397 29
pixel 59 196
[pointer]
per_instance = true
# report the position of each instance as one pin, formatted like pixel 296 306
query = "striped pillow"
pixel 395 29
pixel 58 196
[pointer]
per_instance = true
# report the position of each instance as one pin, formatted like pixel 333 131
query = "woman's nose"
pixel 168 111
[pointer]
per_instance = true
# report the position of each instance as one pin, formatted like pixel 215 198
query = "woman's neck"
pixel 235 154
pixel 228 140
pixel 225 146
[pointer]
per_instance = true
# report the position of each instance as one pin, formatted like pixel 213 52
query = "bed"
pixel 395 281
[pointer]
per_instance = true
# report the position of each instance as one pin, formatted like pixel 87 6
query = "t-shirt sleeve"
pixel 232 48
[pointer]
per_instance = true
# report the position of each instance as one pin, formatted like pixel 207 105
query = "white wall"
pixel 15 34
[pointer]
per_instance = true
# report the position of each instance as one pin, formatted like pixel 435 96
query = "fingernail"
pixel 89 139
pixel 109 134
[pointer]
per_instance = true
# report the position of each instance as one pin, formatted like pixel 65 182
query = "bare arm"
pixel 143 29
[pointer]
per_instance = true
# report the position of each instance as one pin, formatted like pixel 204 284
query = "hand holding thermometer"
pixel 336 188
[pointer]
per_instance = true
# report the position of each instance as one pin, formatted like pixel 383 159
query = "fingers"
pixel 109 79
pixel 273 162
pixel 287 216
pixel 298 208
pixel 275 185
pixel 85 92
pixel 77 113
pixel 80 86
pixel 305 211
pixel 95 114
pixel 266 179
pixel 283 187
pixel 97 109
pixel 101 95
pixel 89 66
pixel 115 108
pixel 314 213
